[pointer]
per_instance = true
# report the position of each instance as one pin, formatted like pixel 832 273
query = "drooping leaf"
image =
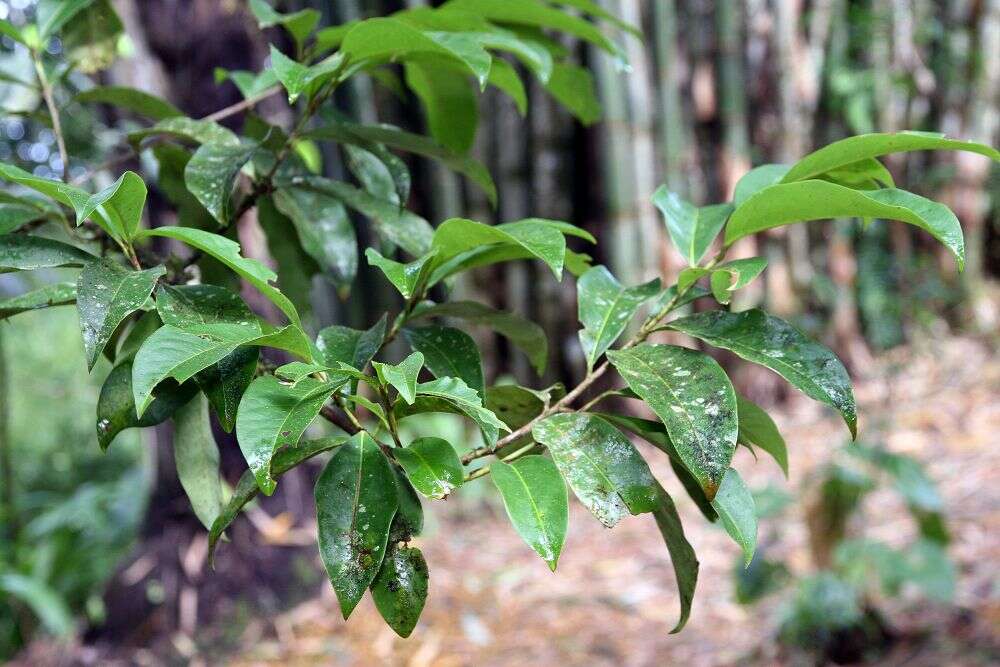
pixel 400 588
pixel 605 309
pixel 504 76
pixel 692 229
pixel 49 605
pixel 294 266
pixel 602 467
pixel 405 277
pixel 377 170
pixel 449 352
pixel 131 99
pixel 694 399
pixel 682 555
pixel 758 429
pixel 771 342
pixel 116 405
pixel 63 193
pixel 353 347
pixel 273 415
pixel 197 459
pixel 449 104
pixel 325 231
pixel 356 500
pixel 574 88
pixel 432 466
pixel 106 295
pixel 211 174
pixel 402 376
pixel 802 201
pixel 735 506
pixel 13 216
pixel 452 395
pixel 298 78
pixel 535 497
pixel 56 294
pixel 52 15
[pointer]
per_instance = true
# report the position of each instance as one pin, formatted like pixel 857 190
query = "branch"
pixel 50 102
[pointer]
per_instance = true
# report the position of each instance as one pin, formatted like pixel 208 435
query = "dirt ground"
pixel 613 599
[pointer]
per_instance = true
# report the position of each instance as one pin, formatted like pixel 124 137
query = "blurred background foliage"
pixel 714 88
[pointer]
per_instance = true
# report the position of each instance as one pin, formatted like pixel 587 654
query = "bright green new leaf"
pixel 432 466
pixel 402 376
pixel 449 352
pixel 535 497
pixel 197 458
pixel 56 294
pixel 106 294
pixel 131 99
pixel 602 467
pixel 337 344
pixel 452 395
pixel 694 399
pixel 735 506
pixel 605 309
pixel 52 15
pixel 298 24
pixel 211 174
pixel 400 588
pixel 356 500
pixel 734 275
pixel 298 78
pixel 682 555
pixel 116 404
pixel 504 76
pixel 325 231
pixel 574 88
pixel 758 429
pixel 802 201
pixel 757 179
pixel 770 341
pixel 449 103
pixel 69 195
pixel 120 205
pixel 404 277
pixel 692 229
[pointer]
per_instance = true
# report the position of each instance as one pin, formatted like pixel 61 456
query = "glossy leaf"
pixel 758 429
pixel 770 341
pixel 405 277
pixel 602 467
pixel 189 129
pixel 432 466
pixel 116 405
pixel 356 500
pixel 56 294
pixel 682 555
pixel 735 506
pixel 197 459
pixel 400 588
pixel 120 204
pixel 535 497
pixel 449 103
pixel 63 193
pixel 325 231
pixel 379 170
pixel 337 344
pixel 294 266
pixel 298 24
pixel 273 415
pixel 757 179
pixel 298 78
pixel 451 394
pixel 131 99
pixel 692 229
pixel 449 352
pixel 802 201
pixel 574 88
pixel 106 295
pixel 402 376
pixel 734 275
pixel 694 399
pixel 605 308
pixel 211 173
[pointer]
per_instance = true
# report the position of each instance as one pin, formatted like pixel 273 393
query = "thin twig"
pixel 50 102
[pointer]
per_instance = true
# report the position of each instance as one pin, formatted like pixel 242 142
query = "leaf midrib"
pixel 538 514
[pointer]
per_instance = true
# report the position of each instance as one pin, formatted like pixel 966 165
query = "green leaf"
pixel 400 588
pixel 734 275
pixel 337 344
pixel 451 394
pixel 692 229
pixel 182 354
pixel 27 253
pixel 405 277
pixel 449 103
pixel 211 173
pixel 250 84
pixel 605 309
pixel 535 497
pixel 197 459
pixel 757 179
pixel 8 29
pixel 432 466
pixel 594 9
pixel 846 151
pixel 298 78
pixel 294 266
pixel 573 87
pixel 273 415
pixel 377 171
pixel 52 15
pixel 771 342
pixel 72 196
pixel 120 205
pixel 356 500
pixel 524 334
pixel 449 352
pixel 106 295
pixel 56 294
pixel 693 397
pixel 802 201
pixel 402 376
pixel 228 252
pixel 602 467
pixel 197 131
pixel 48 605
pixel 682 555
pixel 14 216
pixel 324 229
pixel 131 99
pixel 758 429
pixel 515 406
pixel 116 404
pixel 735 506
pixel 504 76
pixel 298 24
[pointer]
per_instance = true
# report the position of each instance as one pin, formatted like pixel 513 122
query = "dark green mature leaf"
pixel 449 352
pixel 605 309
pixel 515 406
pixel 847 151
pixel 432 466
pixel 132 99
pixel 758 429
pixel 197 131
pixel 324 229
pixel 409 519
pixel 757 179
pixel 449 104
pixel 246 489
pixel 735 506
pixel 211 174
pixel 802 201
pixel 298 24
pixel 337 344
pixel 228 252
pixel 116 405
pixel 197 459
pixel 294 266
pixel 451 394
pixel 770 341
pixel 57 294
pixel 400 588
pixel 14 216
pixel 356 500
pixel 682 555
pixel 379 170
pixel 273 415
pixel 402 376
pixel 404 277
pixel 602 467
pixel 52 15
pixel 693 397
pixel 106 295
pixel 521 332
pixel 692 229
pixel 574 88
pixel 734 275
pixel 535 497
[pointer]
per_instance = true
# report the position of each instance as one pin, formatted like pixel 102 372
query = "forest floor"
pixel 613 599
